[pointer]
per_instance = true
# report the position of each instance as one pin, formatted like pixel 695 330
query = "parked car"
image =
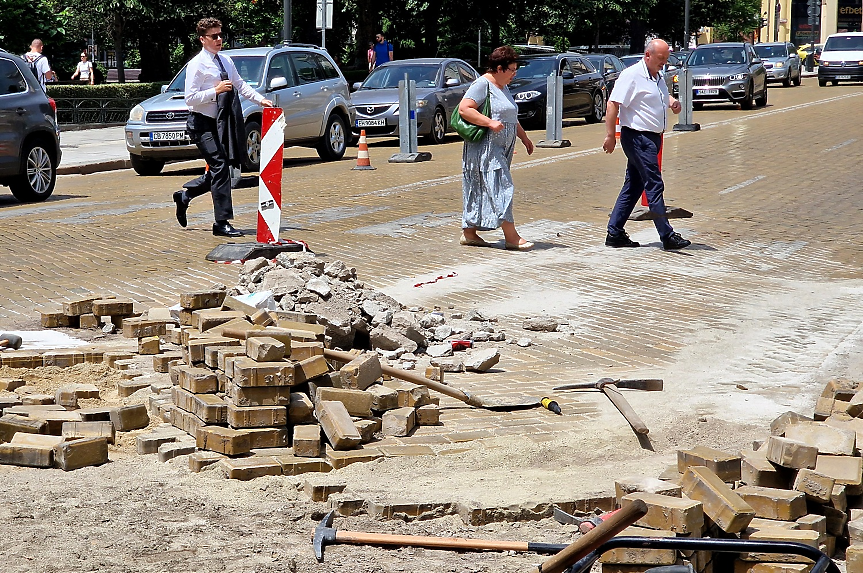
pixel 674 63
pixel 781 62
pixel 727 72
pixel 608 65
pixel 301 79
pixel 805 49
pixel 841 59
pixel 29 134
pixel 584 90
pixel 440 86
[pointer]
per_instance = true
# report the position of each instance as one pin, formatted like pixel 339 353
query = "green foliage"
pixel 122 91
pixel 23 20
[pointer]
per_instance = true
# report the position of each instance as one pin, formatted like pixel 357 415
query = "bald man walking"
pixel 640 98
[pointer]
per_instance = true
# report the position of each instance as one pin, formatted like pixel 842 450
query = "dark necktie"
pixel 221 66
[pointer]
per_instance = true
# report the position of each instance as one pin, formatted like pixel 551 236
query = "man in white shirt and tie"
pixel 207 75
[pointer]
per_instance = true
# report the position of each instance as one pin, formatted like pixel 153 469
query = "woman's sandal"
pixel 526 246
pixel 472 242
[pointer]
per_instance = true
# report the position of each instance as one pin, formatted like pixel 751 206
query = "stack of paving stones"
pixel 803 483
pixel 44 431
pixel 253 388
pixel 93 312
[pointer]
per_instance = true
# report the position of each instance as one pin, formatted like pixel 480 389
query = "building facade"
pixel 788 20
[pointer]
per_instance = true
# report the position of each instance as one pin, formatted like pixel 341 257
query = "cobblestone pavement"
pixel 766 298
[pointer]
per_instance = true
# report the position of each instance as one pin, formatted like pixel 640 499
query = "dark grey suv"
pixel 728 71
pixel 29 135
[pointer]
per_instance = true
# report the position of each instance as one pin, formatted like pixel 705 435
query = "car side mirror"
pixel 671 68
pixel 278 83
pixel 164 88
pixel 756 60
pixel 452 82
pixel 356 86
pixel 567 75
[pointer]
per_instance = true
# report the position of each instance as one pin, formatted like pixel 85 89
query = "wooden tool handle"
pixel 621 404
pixel 593 539
pixel 404 375
pixel 361 538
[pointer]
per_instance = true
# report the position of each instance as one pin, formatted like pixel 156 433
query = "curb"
pixel 88 168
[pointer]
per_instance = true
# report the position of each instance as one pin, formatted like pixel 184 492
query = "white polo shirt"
pixel 643 100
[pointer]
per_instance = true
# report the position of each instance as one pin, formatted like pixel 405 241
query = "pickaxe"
pixel 610 388
pixel 326 534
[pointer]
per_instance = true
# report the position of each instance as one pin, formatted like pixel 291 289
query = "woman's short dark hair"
pixel 205 24
pixel 501 57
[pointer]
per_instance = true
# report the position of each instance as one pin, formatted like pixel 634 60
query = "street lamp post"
pixel 686 25
pixel 286 20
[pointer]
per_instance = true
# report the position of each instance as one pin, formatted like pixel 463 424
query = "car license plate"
pixel 710 92
pixel 371 122
pixel 167 135
pixel 845 77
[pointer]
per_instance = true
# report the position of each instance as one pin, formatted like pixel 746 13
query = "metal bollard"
pixel 554 114
pixel 684 91
pixel 408 152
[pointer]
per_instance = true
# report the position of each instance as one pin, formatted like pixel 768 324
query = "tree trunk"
pixel 155 62
pixel 637 36
pixel 367 24
pixel 118 48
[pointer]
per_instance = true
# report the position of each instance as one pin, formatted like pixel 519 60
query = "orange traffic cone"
pixel 363 162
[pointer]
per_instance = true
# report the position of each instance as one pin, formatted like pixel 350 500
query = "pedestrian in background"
pixel 487 186
pixel 640 98
pixel 370 56
pixel 383 50
pixel 210 83
pixel 38 63
pixel 84 69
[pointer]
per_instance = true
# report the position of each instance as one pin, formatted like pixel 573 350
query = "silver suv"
pixel 302 79
pixel 29 134
pixel 781 61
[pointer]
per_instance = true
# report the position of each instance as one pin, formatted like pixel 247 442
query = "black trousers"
pixel 217 181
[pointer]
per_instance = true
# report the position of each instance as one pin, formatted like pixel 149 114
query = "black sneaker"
pixel 620 240
pixel 674 241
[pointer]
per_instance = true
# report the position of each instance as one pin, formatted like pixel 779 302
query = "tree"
pixel 23 20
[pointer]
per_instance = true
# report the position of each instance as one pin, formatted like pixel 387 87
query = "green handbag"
pixel 467 130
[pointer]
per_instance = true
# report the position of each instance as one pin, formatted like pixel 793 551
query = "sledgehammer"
pixel 326 534
pixel 9 340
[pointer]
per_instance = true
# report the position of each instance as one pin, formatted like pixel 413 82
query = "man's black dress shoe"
pixel 182 207
pixel 620 240
pixel 225 230
pixel 674 241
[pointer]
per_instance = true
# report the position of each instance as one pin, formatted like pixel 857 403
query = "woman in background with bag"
pixel 487 185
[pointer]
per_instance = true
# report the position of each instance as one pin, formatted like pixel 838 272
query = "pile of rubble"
pixel 803 483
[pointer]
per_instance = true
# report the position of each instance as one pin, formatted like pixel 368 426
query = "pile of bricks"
pixel 93 312
pixel 803 484
pixel 248 379
pixel 45 431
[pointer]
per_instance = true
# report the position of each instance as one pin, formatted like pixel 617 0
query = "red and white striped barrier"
pixel 270 179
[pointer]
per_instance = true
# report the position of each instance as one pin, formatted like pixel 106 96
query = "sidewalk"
pixel 93 150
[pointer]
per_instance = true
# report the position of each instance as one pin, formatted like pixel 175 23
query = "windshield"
pixel 596 61
pixel 630 60
pixel 535 68
pixel 389 76
pixel 765 51
pixel 717 56
pixel 843 43
pixel 250 69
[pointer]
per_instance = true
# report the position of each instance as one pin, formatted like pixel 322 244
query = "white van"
pixel 841 59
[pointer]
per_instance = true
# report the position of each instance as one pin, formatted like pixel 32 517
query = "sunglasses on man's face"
pixel 215 37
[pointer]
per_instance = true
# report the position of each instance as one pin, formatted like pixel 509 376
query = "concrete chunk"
pixel 202 299
pixel 248 373
pixel 683 516
pixel 310 368
pixel 169 451
pixel 357 402
pixel 727 509
pixel 300 409
pixel 198 380
pixel 399 422
pixel 340 459
pixel 11 424
pixel 80 453
pixel 771 503
pixel 292 465
pixel 844 470
pixel 797 536
pixel 362 371
pixel 223 440
pixel 757 470
pixel 428 415
pixel 75 430
pixel 265 349
pixel 199 460
pixel 815 486
pixel 257 416
pixel 636 556
pixel 149 443
pixel 828 439
pixel 251 468
pixel 130 418
pixel 383 398
pixel 307 441
pixel 726 466
pixel 28 455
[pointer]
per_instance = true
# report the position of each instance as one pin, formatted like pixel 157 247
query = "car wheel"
pixel 787 81
pixel 146 167
pixel 438 127
pixel 252 161
pixel 748 101
pixel 762 101
pixel 799 79
pixel 335 140
pixel 38 175
pixel 822 83
pixel 598 111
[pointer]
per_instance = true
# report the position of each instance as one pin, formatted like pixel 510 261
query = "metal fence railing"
pixel 94 110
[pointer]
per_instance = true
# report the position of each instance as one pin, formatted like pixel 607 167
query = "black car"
pixel 29 135
pixel 584 90
pixel 608 65
pixel 670 71
pixel 727 72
